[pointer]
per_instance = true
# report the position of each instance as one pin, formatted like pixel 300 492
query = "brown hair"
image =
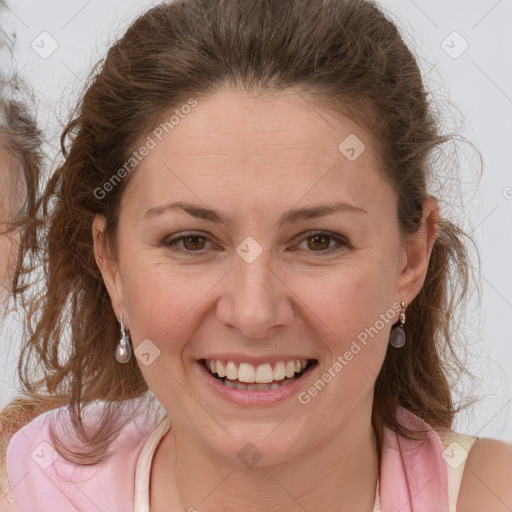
pixel 344 51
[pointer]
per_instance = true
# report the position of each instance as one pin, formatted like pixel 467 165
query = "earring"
pixel 397 336
pixel 124 348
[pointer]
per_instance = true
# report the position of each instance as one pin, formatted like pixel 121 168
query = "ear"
pixel 108 265
pixel 418 249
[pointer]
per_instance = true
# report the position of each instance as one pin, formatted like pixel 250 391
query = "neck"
pixel 338 474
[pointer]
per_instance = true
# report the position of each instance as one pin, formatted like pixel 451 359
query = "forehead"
pixel 273 146
pixel 238 122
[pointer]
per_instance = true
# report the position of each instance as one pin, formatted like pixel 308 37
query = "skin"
pixel 8 240
pixel 254 159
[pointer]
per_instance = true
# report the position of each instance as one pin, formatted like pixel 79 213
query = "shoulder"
pixel 6 502
pixel 15 455
pixel 40 478
pixel 487 478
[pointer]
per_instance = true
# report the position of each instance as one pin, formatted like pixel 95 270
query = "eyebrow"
pixel 290 217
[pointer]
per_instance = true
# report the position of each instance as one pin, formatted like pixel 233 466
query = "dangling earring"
pixel 397 336
pixel 124 348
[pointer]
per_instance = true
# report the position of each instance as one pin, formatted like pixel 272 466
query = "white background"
pixel 478 83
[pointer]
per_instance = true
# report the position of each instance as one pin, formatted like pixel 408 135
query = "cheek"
pixel 156 306
pixel 351 312
pixel 354 294
pixel 165 303
pixel 350 321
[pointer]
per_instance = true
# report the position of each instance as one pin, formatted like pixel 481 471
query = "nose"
pixel 255 299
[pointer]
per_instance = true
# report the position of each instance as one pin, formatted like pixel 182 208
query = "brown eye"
pixel 320 242
pixel 317 242
pixel 192 242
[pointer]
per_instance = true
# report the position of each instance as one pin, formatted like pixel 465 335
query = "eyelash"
pixel 169 243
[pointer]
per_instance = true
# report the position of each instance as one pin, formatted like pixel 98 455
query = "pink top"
pixel 416 476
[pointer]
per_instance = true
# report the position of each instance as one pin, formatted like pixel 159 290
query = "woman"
pixel 20 162
pixel 254 282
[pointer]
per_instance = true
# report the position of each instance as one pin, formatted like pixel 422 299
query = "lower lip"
pixel 253 398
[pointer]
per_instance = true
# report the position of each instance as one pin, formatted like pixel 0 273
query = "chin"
pixel 256 446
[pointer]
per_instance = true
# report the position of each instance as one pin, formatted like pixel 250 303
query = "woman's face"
pixel 8 239
pixel 263 285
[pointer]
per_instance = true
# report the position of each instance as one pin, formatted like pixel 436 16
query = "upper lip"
pixel 237 358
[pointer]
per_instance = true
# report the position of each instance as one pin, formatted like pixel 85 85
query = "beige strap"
pixel 143 468
pixel 376 504
pixel 455 453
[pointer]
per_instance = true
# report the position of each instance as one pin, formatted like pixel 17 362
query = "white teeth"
pixel 254 387
pixel 280 371
pixel 262 374
pixel 246 373
pixel 231 371
pixel 290 369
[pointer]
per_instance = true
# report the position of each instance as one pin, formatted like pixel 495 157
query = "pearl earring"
pixel 397 336
pixel 124 348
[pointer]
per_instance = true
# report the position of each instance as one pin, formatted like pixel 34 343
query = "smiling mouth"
pixel 266 377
